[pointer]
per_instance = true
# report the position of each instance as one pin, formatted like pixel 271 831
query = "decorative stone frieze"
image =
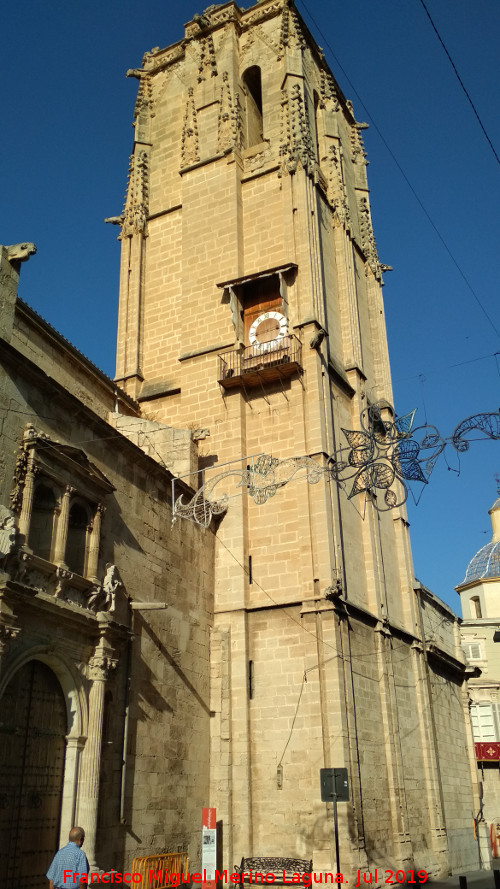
pixel 258 14
pixel 154 60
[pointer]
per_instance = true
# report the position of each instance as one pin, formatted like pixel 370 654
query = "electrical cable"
pixel 467 95
pixel 403 174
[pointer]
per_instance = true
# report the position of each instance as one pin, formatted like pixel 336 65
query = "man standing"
pixel 70 863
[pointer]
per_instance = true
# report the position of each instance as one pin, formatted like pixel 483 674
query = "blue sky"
pixel 67 113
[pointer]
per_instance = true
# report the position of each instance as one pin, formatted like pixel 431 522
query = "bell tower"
pixel 251 308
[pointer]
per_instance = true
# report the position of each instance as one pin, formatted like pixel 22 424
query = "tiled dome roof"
pixel 486 563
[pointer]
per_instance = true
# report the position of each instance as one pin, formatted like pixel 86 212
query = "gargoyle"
pixel 20 252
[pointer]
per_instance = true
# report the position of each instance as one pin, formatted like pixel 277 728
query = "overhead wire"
pixel 401 170
pixel 466 92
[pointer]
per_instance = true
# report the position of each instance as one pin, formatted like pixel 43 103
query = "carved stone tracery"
pixel 230 128
pixel 337 192
pixel 368 243
pixel 190 148
pixel 328 92
pixel 135 211
pixel 144 101
pixel 357 145
pixel 291 36
pixel 296 140
pixel 207 61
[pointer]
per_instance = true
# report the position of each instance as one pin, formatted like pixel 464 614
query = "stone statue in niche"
pixel 103 598
pixel 8 532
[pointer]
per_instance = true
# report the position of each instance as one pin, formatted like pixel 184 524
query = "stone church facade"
pixel 105 615
pixel 295 637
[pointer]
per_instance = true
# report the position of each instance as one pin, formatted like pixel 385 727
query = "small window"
pixel 475 606
pixel 253 105
pixel 472 651
pixel 41 530
pixel 76 546
pixel 484 721
pixel 260 296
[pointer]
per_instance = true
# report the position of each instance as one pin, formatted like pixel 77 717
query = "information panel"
pixel 208 845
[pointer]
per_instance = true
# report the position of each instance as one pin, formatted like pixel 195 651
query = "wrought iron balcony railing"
pixel 265 362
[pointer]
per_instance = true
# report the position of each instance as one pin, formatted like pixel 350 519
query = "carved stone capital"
pixel 101 667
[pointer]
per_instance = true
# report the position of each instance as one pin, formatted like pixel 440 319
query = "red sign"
pixel 208 818
pixel 488 750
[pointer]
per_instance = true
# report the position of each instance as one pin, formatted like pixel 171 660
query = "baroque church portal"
pixel 222 660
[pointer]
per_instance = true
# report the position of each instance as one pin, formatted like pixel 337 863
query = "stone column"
pixel 95 536
pixel 28 493
pixel 74 747
pixel 88 794
pixel 62 528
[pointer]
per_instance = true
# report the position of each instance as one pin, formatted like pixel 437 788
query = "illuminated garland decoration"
pixel 261 481
pixel 382 455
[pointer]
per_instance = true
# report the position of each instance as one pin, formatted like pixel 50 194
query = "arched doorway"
pixel 33 727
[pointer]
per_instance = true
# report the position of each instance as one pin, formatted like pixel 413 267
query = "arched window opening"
pixel 253 90
pixel 476 606
pixel 76 546
pixel 41 530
